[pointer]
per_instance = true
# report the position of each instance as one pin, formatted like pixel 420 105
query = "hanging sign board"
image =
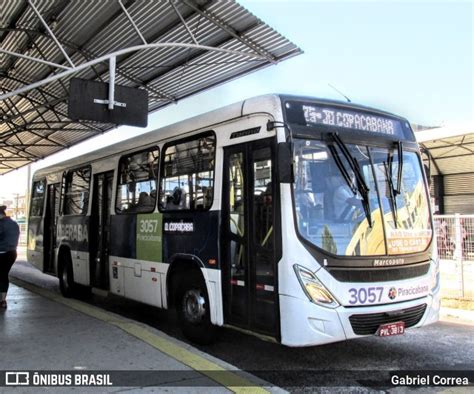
pixel 88 100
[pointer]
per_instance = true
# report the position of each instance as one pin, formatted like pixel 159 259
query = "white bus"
pixel 303 220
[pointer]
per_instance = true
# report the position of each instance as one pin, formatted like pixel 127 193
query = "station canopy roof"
pixel 450 149
pixel 173 49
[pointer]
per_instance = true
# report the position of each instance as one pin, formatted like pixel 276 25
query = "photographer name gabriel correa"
pixel 428 380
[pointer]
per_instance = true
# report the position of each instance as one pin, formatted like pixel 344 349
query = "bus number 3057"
pixel 365 295
pixel 148 226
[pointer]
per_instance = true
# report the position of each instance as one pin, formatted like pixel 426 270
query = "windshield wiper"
pixel 400 167
pixel 388 166
pixel 394 190
pixel 362 187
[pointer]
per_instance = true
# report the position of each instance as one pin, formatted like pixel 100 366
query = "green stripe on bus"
pixel 149 239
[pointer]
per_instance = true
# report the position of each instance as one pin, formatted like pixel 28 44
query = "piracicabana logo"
pixel 392 293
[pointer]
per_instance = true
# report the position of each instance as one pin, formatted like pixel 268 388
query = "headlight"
pixel 435 276
pixel 314 289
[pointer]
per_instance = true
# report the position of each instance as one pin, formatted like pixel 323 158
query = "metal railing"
pixel 455 239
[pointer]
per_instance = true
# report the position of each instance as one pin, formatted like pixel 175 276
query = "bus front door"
pixel 50 223
pixel 249 237
pixel 100 229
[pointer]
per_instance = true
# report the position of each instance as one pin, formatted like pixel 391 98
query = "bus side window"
pixel 263 198
pixel 187 174
pixel 237 216
pixel 138 174
pixel 76 196
pixel 37 198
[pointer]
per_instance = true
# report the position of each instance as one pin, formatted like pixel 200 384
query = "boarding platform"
pixel 42 331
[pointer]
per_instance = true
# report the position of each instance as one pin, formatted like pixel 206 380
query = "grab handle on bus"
pixel 240 232
pixel 267 237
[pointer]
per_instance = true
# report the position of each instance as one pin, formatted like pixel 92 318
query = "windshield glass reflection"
pixel 330 208
pixel 409 230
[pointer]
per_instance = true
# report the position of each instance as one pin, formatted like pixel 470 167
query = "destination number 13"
pixel 365 295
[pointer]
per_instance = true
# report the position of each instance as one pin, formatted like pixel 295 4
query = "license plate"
pixel 389 329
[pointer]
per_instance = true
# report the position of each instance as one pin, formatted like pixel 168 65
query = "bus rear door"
pixel 50 224
pixel 100 229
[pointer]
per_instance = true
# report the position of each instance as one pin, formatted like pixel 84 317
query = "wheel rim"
pixel 65 278
pixel 194 306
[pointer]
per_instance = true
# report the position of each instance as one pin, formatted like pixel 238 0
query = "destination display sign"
pixel 338 117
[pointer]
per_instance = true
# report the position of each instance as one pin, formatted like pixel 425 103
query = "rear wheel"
pixel 68 288
pixel 193 309
pixel 66 278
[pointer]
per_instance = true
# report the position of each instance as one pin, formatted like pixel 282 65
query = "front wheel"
pixel 193 310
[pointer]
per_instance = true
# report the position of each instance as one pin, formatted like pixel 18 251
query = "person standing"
pixel 9 235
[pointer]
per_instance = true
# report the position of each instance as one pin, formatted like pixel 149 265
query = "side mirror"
pixel 285 162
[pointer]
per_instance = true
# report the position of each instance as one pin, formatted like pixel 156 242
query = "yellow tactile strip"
pixel 217 373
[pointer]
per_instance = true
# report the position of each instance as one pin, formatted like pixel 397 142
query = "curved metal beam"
pixel 123 52
pixel 50 105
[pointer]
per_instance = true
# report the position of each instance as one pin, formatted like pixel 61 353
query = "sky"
pixel 414 59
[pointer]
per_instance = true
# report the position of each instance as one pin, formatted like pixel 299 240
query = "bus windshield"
pixel 368 201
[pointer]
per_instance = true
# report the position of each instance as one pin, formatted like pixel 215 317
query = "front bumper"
pixel 308 324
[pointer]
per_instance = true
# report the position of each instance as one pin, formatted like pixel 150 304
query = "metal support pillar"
pixel 438 189
pixel 112 63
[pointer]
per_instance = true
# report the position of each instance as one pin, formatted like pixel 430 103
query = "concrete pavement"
pixel 344 366
pixel 40 330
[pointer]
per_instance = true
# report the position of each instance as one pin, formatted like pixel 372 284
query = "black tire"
pixel 192 305
pixel 66 281
pixel 66 278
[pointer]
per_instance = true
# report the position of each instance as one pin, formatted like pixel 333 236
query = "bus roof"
pixel 270 103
